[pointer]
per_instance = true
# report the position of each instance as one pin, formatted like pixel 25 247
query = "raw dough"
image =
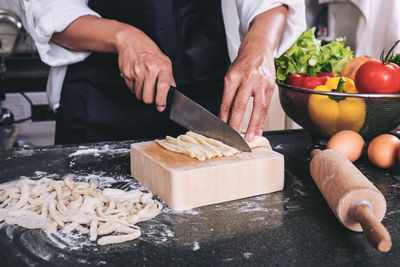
pixel 260 141
pixel 200 147
pixel 47 204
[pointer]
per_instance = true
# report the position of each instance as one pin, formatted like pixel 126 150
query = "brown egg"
pixel 382 151
pixel 349 143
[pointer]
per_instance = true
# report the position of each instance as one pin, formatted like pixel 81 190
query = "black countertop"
pixel 294 227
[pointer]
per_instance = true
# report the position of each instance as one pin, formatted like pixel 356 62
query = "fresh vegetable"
pixel 351 67
pixel 395 59
pixel 331 114
pixel 307 49
pixel 341 85
pixel 379 77
pixel 304 80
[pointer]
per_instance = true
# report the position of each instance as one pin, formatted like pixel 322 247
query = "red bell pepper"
pixel 304 80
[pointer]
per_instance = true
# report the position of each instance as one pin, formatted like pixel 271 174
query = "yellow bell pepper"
pixel 331 114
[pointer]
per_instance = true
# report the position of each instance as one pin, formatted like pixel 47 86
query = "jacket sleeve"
pixel 237 19
pixel 43 18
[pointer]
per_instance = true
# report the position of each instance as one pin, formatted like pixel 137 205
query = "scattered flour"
pixel 157 233
pixel 254 207
pixel 23 153
pixel 29 242
pixel 280 146
pixel 260 197
pixel 247 255
pixel 10 231
pixel 392 212
pixel 296 184
pixel 40 174
pixel 69 241
pixel 196 246
pixel 84 152
pixel 106 149
pixel 187 211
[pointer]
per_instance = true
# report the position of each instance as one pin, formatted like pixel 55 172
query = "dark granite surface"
pixel 294 227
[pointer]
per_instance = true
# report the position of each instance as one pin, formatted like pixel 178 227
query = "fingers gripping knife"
pixel 355 201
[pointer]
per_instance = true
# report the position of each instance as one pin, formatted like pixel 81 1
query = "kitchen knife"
pixel 194 117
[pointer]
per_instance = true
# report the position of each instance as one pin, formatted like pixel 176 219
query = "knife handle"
pixel 170 96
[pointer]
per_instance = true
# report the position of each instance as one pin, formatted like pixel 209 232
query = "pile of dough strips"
pixel 200 147
pixel 46 204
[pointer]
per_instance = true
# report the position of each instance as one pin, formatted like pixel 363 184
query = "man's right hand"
pixel 147 71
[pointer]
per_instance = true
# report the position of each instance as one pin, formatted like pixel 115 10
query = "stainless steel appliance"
pixel 10 27
pixel 23 100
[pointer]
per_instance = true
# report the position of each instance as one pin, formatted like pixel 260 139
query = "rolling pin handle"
pixel 376 233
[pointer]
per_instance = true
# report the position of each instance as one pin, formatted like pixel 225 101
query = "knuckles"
pixel 151 67
pixel 231 77
pixel 153 64
pixel 167 61
pixel 248 75
pixel 137 72
pixel 263 108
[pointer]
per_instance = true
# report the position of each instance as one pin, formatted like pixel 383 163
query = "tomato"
pixel 375 77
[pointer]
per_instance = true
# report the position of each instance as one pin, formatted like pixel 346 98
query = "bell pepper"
pixel 304 80
pixel 331 114
pixel 309 80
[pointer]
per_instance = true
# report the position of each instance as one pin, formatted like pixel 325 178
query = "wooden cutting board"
pixel 183 182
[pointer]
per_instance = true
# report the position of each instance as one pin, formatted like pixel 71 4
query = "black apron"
pixel 96 105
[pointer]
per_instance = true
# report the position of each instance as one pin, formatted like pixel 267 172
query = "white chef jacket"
pixel 43 18
pixel 378 27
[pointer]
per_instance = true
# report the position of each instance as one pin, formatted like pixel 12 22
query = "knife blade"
pixel 194 117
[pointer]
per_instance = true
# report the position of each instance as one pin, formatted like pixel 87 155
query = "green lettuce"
pixel 329 58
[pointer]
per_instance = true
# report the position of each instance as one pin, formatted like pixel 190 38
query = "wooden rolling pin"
pixel 356 202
